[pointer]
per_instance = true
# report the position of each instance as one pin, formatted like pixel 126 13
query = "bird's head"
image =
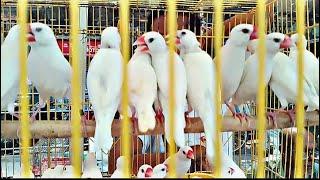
pixel 294 39
pixel 151 42
pixel 276 41
pixel 145 171
pixel 161 170
pixel 40 34
pixel 186 39
pixel 186 152
pixel 120 162
pixel 110 38
pixel 242 34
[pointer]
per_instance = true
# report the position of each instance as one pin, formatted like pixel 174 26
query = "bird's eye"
pixel 38 29
pixel 183 33
pixel 142 170
pixel 276 40
pixel 150 40
pixel 246 31
pixel 162 169
pixel 183 152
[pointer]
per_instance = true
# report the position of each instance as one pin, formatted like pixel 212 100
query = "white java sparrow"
pixel 119 172
pixel 247 90
pixel 230 169
pixel 48 69
pixel 57 171
pixel 145 171
pixel 284 80
pixel 10 70
pixel 160 171
pixel 200 88
pixel 233 55
pixel 311 63
pixel 104 81
pixel 90 168
pixel 156 46
pixel 183 160
pixel 142 89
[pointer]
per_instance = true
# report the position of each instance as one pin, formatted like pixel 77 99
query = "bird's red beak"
pixel 178 42
pixel 141 42
pixel 286 43
pixel 167 168
pixel 190 154
pixel 30 37
pixel 149 172
pixel 254 34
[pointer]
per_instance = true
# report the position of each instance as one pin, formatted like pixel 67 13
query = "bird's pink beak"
pixel 178 42
pixel 167 168
pixel 149 172
pixel 141 42
pixel 254 34
pixel 30 36
pixel 190 154
pixel 286 43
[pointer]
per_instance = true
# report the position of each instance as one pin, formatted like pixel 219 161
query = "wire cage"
pixel 51 132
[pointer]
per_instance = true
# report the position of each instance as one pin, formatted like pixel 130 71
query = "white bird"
pixel 200 88
pixel 145 171
pixel 90 168
pixel 247 90
pixel 142 89
pixel 156 46
pixel 119 172
pixel 183 160
pixel 284 80
pixel 311 63
pixel 10 70
pixel 68 172
pixel 160 171
pixel 229 169
pixel 57 171
pixel 48 69
pixel 104 81
pixel 233 55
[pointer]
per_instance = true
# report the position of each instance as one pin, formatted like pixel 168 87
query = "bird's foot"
pixel 291 113
pixel 271 116
pixel 15 115
pixel 159 116
pixel 84 118
pixel 241 116
pixel 134 121
pixel 186 117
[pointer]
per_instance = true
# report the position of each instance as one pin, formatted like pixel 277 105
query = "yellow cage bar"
pixel 172 28
pixel 261 89
pixel 75 83
pixel 24 118
pixel 125 125
pixel 300 103
pixel 218 37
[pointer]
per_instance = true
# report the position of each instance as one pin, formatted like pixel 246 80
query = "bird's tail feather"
pixel 102 134
pixel 146 119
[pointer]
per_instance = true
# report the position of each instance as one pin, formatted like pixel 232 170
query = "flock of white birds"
pixel 148 70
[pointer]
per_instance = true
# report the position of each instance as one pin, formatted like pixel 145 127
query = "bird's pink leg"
pixel 186 115
pixel 240 116
pixel 159 116
pixel 34 114
pixel 271 116
pixel 134 121
pixel 291 113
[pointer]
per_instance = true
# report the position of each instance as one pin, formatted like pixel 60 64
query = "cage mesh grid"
pixel 280 17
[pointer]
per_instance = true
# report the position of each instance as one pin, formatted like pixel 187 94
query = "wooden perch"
pixel 62 129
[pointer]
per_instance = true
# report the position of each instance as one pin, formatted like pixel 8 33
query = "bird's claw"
pixel 241 117
pixel 134 121
pixel 291 113
pixel 159 116
pixel 271 116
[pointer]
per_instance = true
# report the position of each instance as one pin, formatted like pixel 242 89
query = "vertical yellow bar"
pixel 75 87
pixel 172 30
pixel 261 88
pixel 24 100
pixel 218 36
pixel 126 125
pixel 300 105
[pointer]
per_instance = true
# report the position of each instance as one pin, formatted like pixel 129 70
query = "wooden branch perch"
pixel 62 129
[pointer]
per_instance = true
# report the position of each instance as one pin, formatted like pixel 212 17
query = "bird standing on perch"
pixel 48 69
pixel 156 46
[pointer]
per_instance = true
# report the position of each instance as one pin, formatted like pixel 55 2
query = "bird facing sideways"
pixel 155 45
